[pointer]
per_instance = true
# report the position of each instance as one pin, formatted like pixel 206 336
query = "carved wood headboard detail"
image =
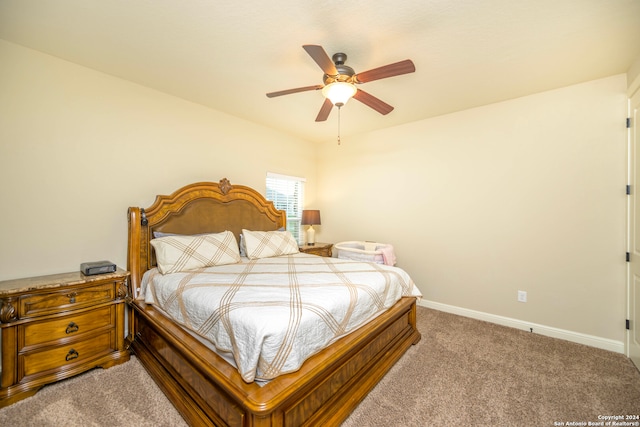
pixel 203 207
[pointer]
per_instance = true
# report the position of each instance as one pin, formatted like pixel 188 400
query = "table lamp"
pixel 311 218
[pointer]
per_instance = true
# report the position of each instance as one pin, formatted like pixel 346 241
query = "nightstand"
pixel 57 326
pixel 322 249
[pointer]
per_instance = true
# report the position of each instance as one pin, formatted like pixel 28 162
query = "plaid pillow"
pixel 185 253
pixel 265 244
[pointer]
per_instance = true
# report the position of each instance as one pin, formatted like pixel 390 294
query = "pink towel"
pixel 388 255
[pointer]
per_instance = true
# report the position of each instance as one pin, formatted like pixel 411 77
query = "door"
pixel 633 334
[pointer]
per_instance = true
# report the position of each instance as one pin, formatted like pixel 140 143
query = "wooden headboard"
pixel 203 207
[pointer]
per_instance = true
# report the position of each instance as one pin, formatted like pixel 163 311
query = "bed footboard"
pixel 208 391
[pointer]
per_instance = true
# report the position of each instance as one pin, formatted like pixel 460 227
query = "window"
pixel 287 193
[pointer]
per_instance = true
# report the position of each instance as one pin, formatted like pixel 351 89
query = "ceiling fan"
pixel 340 81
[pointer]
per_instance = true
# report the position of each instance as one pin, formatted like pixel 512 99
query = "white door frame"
pixel 632 349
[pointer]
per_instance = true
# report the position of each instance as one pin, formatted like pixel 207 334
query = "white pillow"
pixel 243 247
pixel 185 253
pixel 265 244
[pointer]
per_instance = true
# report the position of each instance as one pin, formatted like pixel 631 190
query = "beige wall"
pixel 78 147
pixel 521 195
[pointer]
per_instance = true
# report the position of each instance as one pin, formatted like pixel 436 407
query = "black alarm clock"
pixel 97 267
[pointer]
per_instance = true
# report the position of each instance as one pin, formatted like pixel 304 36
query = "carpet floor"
pixel 463 372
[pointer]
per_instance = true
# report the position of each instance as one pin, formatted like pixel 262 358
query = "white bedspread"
pixel 274 313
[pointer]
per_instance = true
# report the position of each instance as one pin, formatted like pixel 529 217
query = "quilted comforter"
pixel 271 314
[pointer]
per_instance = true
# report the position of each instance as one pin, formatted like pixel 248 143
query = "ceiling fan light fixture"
pixel 339 92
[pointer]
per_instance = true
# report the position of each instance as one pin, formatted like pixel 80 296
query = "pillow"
pixel 265 244
pixel 184 253
pixel 243 247
pixel 158 234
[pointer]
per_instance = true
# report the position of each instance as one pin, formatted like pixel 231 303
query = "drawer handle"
pixel 72 297
pixel 72 355
pixel 71 328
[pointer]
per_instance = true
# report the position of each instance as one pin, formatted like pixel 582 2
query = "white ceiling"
pixel 226 54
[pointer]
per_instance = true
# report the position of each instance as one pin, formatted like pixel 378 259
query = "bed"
pixel 202 385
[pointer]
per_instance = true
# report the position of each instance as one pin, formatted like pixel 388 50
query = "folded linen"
pixel 388 254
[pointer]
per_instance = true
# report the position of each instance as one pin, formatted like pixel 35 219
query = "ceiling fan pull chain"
pixel 339 125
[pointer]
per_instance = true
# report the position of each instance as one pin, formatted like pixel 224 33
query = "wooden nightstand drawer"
pixel 70 299
pixel 66 327
pixel 66 355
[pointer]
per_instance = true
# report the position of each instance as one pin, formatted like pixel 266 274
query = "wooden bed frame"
pixel 203 386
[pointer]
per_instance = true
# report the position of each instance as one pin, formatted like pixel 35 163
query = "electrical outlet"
pixel 522 296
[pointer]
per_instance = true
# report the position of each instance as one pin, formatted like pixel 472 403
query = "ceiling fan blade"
pixel 324 110
pixel 373 102
pixel 296 90
pixel 395 69
pixel 318 54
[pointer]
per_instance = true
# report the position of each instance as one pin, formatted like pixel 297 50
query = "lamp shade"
pixel 339 92
pixel 311 217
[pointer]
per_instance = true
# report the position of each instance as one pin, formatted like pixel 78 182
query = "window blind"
pixel 287 193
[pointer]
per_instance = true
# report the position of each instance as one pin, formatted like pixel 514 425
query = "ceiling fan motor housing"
pixel 345 73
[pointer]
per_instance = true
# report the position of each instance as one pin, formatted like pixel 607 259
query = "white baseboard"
pixel 577 337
